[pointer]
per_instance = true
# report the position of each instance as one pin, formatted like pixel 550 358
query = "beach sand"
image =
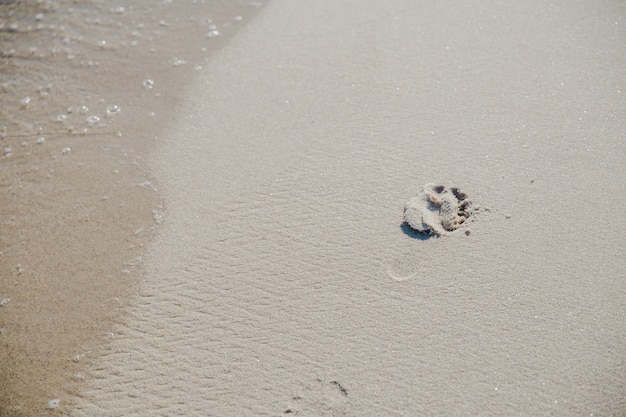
pixel 282 281
pixel 85 91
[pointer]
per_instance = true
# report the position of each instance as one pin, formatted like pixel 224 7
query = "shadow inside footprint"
pixel 414 234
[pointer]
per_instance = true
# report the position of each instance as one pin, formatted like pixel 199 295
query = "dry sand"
pixel 282 282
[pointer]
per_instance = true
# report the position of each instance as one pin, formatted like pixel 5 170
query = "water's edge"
pixel 86 89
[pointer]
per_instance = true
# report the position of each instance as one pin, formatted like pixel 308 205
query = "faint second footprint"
pixel 319 398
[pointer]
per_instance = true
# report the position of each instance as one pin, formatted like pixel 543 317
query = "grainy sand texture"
pixel 85 89
pixel 282 280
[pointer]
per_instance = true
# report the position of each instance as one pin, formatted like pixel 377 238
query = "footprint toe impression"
pixel 437 210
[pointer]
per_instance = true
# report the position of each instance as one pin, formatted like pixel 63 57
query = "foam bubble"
pixel 176 62
pixel 25 102
pixel 52 404
pixel 113 110
pixel 148 83
pixel 93 119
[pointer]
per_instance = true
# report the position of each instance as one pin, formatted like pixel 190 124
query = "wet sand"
pixel 282 281
pixel 86 90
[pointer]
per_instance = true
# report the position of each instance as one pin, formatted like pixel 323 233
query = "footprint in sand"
pixel 321 398
pixel 437 210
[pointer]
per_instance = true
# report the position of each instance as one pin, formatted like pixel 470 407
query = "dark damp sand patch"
pixel 77 205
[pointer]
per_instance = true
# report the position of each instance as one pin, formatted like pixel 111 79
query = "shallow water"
pixel 65 64
pixel 85 89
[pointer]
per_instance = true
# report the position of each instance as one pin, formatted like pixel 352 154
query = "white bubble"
pixel 176 62
pixel 25 102
pixel 66 150
pixel 213 34
pixel 83 109
pixel 157 216
pixel 118 10
pixel 148 83
pixel 5 301
pixel 61 117
pixel 52 404
pixel 113 110
pixel 93 119
pixel 41 140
